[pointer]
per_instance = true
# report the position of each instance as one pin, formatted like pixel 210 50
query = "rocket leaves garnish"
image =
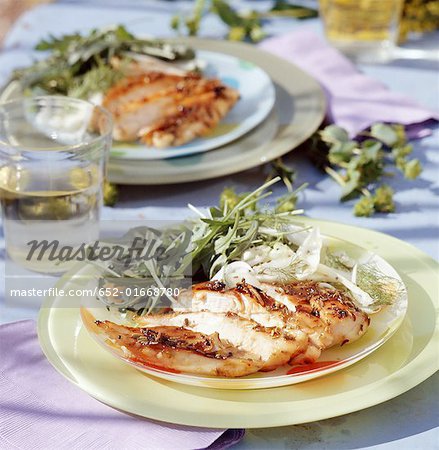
pixel 80 64
pixel 202 245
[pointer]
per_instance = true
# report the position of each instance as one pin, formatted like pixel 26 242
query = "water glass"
pixel 53 153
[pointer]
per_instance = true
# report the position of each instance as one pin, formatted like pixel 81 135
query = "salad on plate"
pixel 269 297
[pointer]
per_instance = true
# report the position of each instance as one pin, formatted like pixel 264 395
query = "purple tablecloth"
pixel 40 409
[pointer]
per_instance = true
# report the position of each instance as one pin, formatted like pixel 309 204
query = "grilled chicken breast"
pixel 270 345
pixel 245 300
pixel 325 316
pixel 167 109
pixel 179 349
pixel 233 332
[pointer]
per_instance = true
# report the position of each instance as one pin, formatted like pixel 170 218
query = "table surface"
pixel 409 421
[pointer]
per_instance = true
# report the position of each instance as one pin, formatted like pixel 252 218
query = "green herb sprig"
pixel 238 223
pixel 241 25
pixel 359 166
pixel 383 289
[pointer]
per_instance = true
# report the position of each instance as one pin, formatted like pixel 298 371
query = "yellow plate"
pixel 406 360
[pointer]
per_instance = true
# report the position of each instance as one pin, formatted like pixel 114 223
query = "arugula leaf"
pixel 72 57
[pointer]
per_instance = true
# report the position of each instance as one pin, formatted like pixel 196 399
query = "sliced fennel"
pixel 361 298
pixel 279 263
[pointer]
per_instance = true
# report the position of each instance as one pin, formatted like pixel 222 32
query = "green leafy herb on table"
pixel 359 166
pixel 242 25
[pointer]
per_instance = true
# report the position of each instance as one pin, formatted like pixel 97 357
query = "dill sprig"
pixel 383 289
pixel 338 260
pixel 284 275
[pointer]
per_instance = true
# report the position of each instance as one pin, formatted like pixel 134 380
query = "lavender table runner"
pixel 42 410
pixel 355 100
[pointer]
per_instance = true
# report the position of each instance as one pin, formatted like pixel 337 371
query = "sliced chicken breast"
pixel 307 311
pixel 165 110
pixel 246 300
pixel 179 349
pixel 271 345
pixel 327 315
pixel 255 304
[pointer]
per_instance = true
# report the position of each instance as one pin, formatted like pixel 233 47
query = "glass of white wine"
pixel 365 30
pixel 53 153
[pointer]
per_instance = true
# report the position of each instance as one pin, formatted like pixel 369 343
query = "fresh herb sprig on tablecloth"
pixel 360 165
pixel 241 24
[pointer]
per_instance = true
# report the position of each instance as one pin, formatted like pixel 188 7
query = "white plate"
pixel 383 326
pixel 257 96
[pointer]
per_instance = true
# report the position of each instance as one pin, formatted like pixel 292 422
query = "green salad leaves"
pixel 80 65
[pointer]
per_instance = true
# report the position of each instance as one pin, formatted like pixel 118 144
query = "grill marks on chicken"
pixel 270 345
pixel 265 327
pixel 327 315
pixel 179 349
pixel 167 109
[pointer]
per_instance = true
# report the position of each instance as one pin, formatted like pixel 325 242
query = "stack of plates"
pixel 401 349
pixel 280 107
